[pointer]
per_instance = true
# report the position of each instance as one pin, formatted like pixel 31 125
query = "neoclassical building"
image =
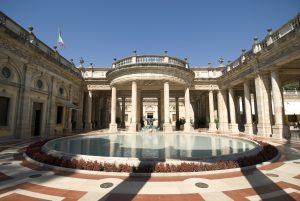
pixel 44 94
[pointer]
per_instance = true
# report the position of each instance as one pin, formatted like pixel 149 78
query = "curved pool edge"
pixel 132 161
pixel 155 174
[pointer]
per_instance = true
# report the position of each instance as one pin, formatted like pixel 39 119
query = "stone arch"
pixel 16 74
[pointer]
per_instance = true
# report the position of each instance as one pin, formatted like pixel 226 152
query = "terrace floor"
pixel 22 180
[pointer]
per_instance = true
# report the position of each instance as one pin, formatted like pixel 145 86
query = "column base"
pixel 249 129
pixel 113 127
pixel 280 131
pixel 167 127
pixel 139 126
pixel 264 130
pixel 223 126
pixel 123 125
pixel 187 127
pixel 234 128
pixel 132 127
pixel 212 127
pixel 79 126
pixel 88 126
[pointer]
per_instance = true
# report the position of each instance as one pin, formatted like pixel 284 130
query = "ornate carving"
pixel 98 87
pixel 6 72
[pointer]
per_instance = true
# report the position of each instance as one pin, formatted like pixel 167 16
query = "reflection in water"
pixel 153 146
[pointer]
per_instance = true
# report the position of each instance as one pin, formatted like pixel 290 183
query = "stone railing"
pixel 151 59
pixel 33 41
pixel 265 44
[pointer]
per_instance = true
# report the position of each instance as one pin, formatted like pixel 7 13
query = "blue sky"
pixel 102 30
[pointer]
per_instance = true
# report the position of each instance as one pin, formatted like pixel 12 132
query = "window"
pixel 61 91
pixel 6 72
pixel 59 115
pixel 149 115
pixel 4 103
pixel 126 117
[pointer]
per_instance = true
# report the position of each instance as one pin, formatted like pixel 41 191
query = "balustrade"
pixel 144 59
pixel 23 34
pixel 264 44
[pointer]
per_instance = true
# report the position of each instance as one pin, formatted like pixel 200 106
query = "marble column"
pixel 212 124
pixel 141 113
pixel 187 125
pixel 113 126
pixel 162 119
pixel 222 111
pixel 99 113
pixel 88 116
pixel 279 129
pixel 177 108
pixel 263 105
pixel 104 117
pixel 238 110
pixel 133 106
pixel 138 109
pixel 123 111
pixel 233 125
pixel 93 111
pixel 167 125
pixel 247 96
pixel 159 112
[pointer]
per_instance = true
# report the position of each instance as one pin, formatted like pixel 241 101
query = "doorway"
pixel 36 119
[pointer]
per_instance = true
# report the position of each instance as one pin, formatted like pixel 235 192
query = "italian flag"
pixel 60 40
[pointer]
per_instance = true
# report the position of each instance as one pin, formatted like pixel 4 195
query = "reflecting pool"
pixel 156 146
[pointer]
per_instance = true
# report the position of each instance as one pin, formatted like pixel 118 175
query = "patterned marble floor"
pixel 22 180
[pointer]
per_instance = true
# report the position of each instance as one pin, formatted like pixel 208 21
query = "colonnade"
pixel 264 93
pixel 228 106
pixel 136 109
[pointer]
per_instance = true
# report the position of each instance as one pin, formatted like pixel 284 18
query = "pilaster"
pixel 23 127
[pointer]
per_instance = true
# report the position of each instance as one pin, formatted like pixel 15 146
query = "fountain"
pixel 149 128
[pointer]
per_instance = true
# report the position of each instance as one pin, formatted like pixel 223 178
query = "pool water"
pixel 152 146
